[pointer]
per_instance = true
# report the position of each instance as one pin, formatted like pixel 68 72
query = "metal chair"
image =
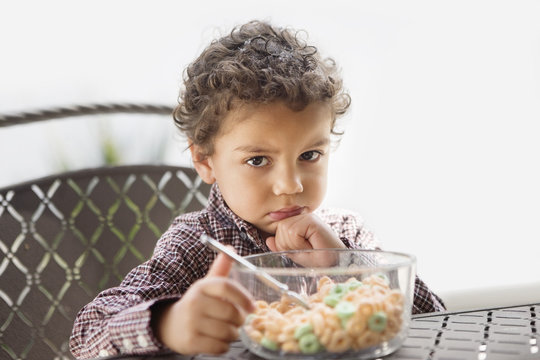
pixel 66 237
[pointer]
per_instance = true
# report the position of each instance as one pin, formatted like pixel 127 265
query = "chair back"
pixel 66 237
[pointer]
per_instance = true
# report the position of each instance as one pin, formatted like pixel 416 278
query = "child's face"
pixel 271 162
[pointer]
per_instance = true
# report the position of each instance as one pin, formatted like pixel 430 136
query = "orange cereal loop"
pixel 281 338
pixel 325 290
pixel 378 290
pixel 325 336
pixel 374 280
pixel 261 304
pixel 393 310
pixel 290 346
pixel 272 326
pixel 325 280
pixel 357 324
pixel 393 325
pixel 315 298
pixel 258 323
pixel 271 335
pixel 339 342
pixel 262 312
pixel 368 339
pixel 317 320
pixel 297 310
pixel 287 333
pixel 254 334
pixel 284 307
pixel 395 297
pixel 351 296
pixel 332 320
pixel 274 304
pixel 289 328
pixel 366 308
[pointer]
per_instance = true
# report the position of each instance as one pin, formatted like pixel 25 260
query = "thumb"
pixel 271 243
pixel 221 266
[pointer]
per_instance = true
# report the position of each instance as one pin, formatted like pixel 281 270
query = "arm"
pixel 346 230
pixel 204 318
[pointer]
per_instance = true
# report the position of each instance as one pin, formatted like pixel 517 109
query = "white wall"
pixel 440 153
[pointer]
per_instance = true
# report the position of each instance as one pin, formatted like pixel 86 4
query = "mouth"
pixel 285 213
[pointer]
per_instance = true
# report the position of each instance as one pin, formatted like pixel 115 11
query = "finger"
pixel 224 311
pixel 234 293
pixel 271 243
pixel 221 266
pixel 289 238
pixel 217 329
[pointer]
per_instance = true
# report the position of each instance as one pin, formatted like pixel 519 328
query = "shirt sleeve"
pixel 425 300
pixel 118 320
pixel 351 230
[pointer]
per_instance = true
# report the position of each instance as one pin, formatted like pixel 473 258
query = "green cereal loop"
pixel 269 344
pixel 353 285
pixel 303 330
pixel 339 289
pixel 309 344
pixel 377 321
pixel 384 277
pixel 332 299
pixel 345 309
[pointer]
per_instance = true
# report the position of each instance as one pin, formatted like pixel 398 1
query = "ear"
pixel 202 164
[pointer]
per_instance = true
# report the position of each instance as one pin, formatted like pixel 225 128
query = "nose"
pixel 288 181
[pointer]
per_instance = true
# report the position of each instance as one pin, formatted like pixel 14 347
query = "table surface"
pixel 486 334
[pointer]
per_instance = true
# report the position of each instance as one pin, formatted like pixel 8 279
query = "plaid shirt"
pixel 117 321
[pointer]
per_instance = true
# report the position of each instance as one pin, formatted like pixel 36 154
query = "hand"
pixel 305 232
pixel 207 317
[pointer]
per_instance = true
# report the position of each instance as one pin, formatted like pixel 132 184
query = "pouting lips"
pixel 285 213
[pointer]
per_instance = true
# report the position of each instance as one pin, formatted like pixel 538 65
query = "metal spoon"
pixel 278 286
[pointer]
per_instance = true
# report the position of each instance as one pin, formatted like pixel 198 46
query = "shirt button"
pixel 103 353
pixel 141 339
pixel 127 344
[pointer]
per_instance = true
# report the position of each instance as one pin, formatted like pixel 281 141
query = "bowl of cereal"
pixel 359 303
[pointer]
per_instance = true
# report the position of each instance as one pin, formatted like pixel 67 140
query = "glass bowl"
pixel 360 304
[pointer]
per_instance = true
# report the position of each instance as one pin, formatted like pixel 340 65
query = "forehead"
pixel 278 118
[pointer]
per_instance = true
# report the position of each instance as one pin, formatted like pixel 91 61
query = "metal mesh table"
pixel 504 333
pixel 488 334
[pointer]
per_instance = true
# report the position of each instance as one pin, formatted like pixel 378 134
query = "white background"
pixel 441 148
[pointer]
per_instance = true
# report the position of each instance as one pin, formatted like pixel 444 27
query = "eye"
pixel 257 161
pixel 310 155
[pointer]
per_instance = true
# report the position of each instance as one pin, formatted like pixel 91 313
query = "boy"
pixel 259 110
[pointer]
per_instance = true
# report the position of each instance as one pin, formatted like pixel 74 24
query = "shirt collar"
pixel 217 204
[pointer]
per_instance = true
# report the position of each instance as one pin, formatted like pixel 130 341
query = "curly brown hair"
pixel 255 63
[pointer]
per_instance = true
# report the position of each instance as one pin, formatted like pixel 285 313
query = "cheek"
pixel 241 190
pixel 315 183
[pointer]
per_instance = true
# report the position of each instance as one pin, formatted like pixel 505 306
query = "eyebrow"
pixel 258 149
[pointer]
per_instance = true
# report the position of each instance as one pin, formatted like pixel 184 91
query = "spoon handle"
pixel 262 275
pixel 267 279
